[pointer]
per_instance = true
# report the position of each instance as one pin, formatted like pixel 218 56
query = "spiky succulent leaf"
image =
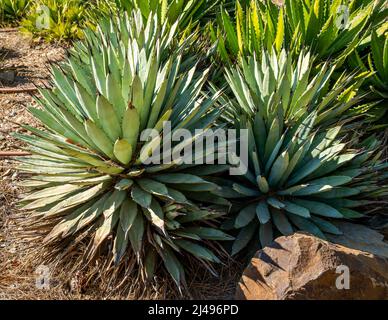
pixel 305 174
pixel 170 10
pixel 283 89
pixel 328 28
pixel 92 162
pixel 372 55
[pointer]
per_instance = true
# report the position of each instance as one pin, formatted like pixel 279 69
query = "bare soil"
pixel 29 63
pixel 26 62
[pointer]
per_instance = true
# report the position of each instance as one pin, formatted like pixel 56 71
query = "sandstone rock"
pixel 302 266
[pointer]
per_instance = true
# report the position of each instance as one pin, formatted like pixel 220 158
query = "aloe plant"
pixel 12 11
pixel 378 62
pixel 331 29
pixel 64 20
pixel 372 56
pixel 89 173
pixel 191 11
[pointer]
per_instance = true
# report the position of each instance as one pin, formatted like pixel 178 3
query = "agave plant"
pixel 192 15
pixel 328 28
pixel 91 177
pixel 301 179
pixel 279 82
pixel 302 174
